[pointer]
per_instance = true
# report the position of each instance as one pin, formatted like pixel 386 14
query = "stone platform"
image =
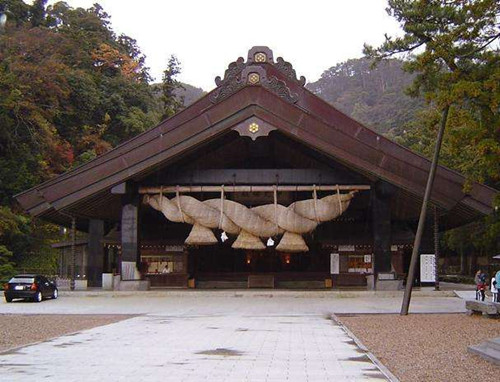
pixel 489 350
pixel 490 309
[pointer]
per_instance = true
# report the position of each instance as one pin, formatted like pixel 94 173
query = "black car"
pixel 31 287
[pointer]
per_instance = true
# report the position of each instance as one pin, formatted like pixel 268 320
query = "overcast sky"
pixel 206 35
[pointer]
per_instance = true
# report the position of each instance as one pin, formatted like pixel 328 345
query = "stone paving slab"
pixel 467 294
pixel 489 350
pixel 198 348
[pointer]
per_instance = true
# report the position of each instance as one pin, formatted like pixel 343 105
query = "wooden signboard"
pixel 427 269
pixel 334 264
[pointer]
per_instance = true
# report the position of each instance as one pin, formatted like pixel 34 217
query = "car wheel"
pixel 55 293
pixel 38 297
pixel 8 299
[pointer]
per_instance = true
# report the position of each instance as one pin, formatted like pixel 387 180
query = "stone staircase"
pixel 489 350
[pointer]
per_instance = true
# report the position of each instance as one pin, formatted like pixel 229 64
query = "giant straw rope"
pixel 251 224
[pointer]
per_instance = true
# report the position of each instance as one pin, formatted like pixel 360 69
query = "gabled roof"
pixel 270 91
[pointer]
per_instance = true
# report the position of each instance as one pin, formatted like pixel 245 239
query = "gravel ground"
pixel 23 329
pixel 427 347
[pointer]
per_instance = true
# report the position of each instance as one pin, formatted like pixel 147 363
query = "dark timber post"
pixel 96 253
pixel 436 249
pixel 73 253
pixel 423 213
pixel 381 223
pixel 130 236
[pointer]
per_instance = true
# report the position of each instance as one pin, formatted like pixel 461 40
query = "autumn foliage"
pixel 70 89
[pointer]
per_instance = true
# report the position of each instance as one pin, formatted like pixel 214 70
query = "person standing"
pixel 480 280
pixel 494 290
pixel 476 281
pixel 497 280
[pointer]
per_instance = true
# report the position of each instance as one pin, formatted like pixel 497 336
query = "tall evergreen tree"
pixel 38 12
pixel 170 85
pixel 453 48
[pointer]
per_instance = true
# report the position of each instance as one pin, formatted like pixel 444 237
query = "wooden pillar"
pixel 95 259
pixel 130 238
pixel 436 249
pixel 73 252
pixel 381 227
pixel 129 258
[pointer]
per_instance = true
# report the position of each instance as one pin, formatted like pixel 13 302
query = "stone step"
pixel 494 344
pixel 489 350
pixel 481 306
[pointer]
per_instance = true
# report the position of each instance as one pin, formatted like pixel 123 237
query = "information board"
pixel 334 263
pixel 427 268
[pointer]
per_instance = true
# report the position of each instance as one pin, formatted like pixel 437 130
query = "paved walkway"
pixel 197 348
pixel 236 301
pixel 229 336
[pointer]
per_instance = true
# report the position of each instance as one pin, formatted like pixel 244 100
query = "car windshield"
pixel 26 280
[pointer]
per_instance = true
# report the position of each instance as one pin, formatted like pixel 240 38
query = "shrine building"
pixel 260 183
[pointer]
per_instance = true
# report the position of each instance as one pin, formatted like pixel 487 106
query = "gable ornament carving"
pixel 286 68
pixel 253 73
pixel 254 128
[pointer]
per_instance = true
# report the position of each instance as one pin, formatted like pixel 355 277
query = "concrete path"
pixel 468 295
pixel 238 301
pixel 228 336
pixel 198 348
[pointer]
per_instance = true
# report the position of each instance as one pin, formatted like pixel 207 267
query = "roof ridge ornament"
pixel 259 55
pixel 287 69
pixel 232 71
pixel 279 87
pixel 231 82
pixel 253 72
pixel 262 54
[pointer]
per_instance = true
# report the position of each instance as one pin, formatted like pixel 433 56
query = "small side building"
pixel 69 256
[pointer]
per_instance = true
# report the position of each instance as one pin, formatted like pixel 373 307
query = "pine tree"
pixel 38 12
pixel 170 86
pixel 452 47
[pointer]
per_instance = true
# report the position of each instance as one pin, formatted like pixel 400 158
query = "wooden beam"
pixel 188 189
pixel 262 177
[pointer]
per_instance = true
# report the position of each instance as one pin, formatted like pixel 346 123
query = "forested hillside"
pixel 70 89
pixel 374 96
